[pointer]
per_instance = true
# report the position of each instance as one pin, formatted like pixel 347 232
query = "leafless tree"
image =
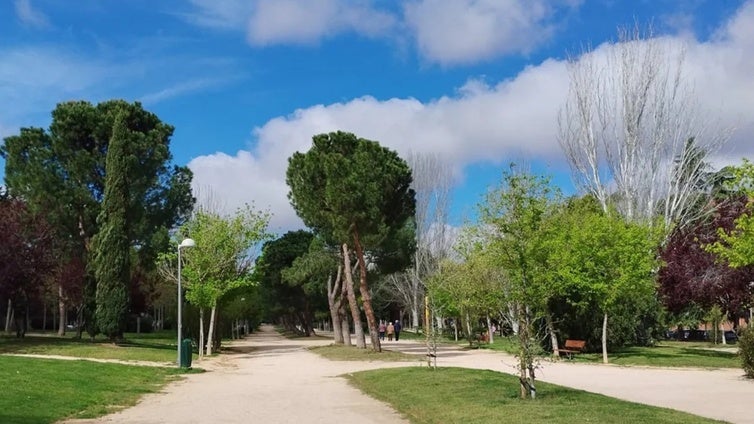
pixel 631 129
pixel 433 179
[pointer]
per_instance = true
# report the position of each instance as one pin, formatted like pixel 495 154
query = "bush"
pixel 746 350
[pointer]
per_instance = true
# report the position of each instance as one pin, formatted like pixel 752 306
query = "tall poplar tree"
pixel 111 246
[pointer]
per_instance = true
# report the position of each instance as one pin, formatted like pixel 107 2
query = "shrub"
pixel 746 350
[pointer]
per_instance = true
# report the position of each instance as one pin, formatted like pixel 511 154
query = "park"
pixel 132 292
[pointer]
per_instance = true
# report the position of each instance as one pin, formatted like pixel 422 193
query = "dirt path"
pixel 269 379
pixel 266 379
pixel 722 394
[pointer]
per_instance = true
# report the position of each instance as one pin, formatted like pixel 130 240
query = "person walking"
pixel 382 329
pixel 397 329
pixel 390 332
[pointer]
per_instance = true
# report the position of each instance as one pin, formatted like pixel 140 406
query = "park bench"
pixel 572 347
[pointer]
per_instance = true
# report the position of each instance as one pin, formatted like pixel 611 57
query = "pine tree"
pixel 111 245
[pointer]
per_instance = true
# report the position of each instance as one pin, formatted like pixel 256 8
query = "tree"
pixel 352 191
pixel 606 258
pixel 111 245
pixel 628 116
pixel 513 215
pixel 221 261
pixel 693 276
pixel 432 184
pixel 27 257
pixel 61 173
pixel 288 302
pixel 309 270
pixel 736 246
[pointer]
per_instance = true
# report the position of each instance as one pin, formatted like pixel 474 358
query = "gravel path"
pixel 269 379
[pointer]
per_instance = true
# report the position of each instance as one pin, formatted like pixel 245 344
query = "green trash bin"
pixel 186 353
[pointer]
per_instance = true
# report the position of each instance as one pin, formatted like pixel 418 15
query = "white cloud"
pixel 308 21
pixel 446 32
pixel 30 16
pixel 481 122
pixel 466 31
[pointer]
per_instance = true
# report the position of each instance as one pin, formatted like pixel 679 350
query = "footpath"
pixel 722 394
pixel 266 378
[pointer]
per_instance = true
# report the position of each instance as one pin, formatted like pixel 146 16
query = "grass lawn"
pixel 351 353
pixel 665 354
pixel 157 347
pixel 47 390
pixel 457 395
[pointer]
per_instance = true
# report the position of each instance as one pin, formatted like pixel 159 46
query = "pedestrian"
pixel 382 330
pixel 390 332
pixel 397 328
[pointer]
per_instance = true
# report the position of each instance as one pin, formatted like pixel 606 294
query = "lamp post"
pixel 185 243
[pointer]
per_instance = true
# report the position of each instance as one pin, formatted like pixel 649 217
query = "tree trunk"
pixel 553 336
pixel 334 299
pixel 7 316
pixel 355 314
pixel 366 297
pixel 490 336
pixel 469 333
pixel 344 329
pixel 61 309
pixel 201 332
pixel 211 330
pixel 604 339
pixel 415 302
pixel 44 317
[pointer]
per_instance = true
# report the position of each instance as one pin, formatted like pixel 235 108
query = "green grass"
pixel 457 395
pixel 157 347
pixel 351 353
pixel 665 354
pixel 46 390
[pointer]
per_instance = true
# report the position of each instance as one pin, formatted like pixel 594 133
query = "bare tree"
pixel 632 132
pixel 432 183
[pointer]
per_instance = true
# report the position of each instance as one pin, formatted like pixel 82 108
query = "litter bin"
pixel 186 352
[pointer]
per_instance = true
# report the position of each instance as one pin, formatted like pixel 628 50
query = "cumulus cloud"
pixel 29 16
pixel 446 32
pixel 480 122
pixel 307 21
pixel 466 31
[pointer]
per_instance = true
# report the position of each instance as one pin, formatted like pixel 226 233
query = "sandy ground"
pixel 265 379
pixel 269 379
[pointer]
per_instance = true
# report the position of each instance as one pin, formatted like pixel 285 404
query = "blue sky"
pixel 247 82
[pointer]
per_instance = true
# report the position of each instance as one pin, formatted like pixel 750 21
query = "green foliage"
pixel 222 257
pixel 345 184
pixel 287 290
pixel 61 173
pixel 111 245
pixel 604 257
pixel 737 247
pixel 746 350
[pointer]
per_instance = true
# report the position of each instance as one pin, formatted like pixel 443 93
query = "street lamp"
pixel 185 243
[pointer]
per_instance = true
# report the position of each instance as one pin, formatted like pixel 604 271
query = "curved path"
pixel 269 379
pixel 722 394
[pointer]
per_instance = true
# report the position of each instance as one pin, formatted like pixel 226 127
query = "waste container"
pixel 186 353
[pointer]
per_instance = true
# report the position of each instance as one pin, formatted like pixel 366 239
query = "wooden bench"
pixel 571 347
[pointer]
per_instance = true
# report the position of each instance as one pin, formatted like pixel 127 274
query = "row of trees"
pixel 91 200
